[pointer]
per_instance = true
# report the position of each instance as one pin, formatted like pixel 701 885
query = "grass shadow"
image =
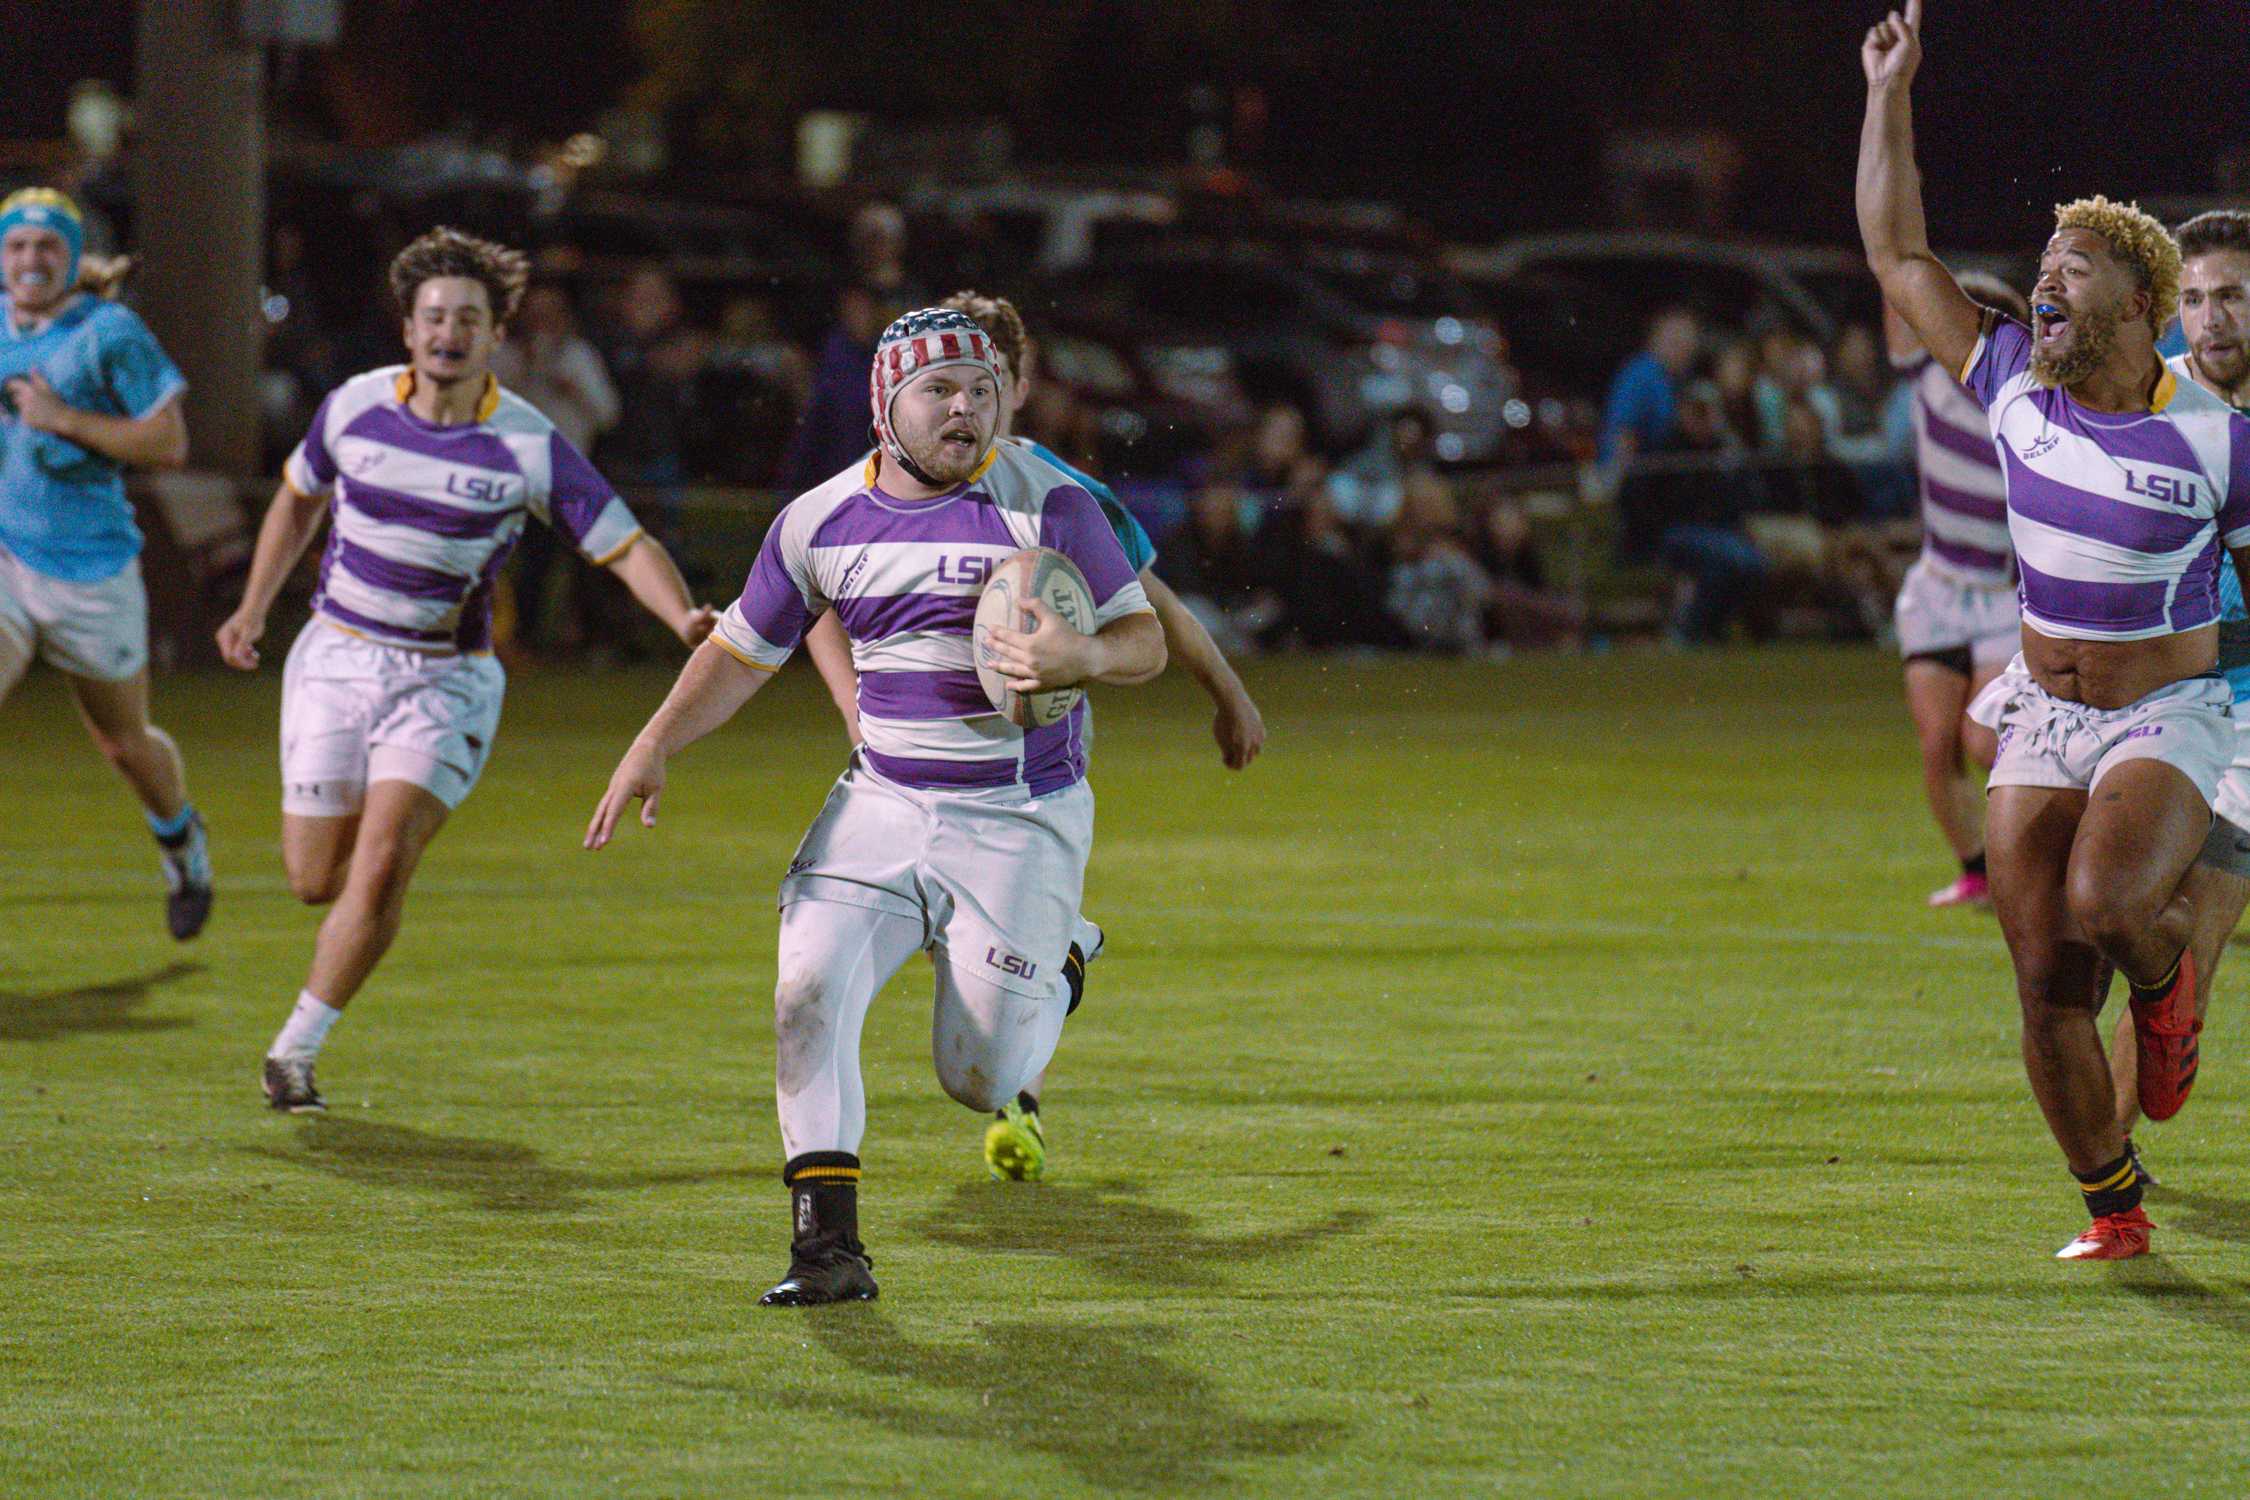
pixel 495 1176
pixel 53 1014
pixel 2165 1286
pixel 1111 1228
pixel 1102 1400
pixel 2213 1217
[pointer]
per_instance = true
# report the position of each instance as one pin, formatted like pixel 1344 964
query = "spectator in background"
pixel 1218 574
pixel 1794 372
pixel 1644 398
pixel 655 357
pixel 1689 518
pixel 1814 482
pixel 877 245
pixel 545 360
pixel 1524 612
pixel 833 433
pixel 1369 487
pixel 1734 390
pixel 1437 593
pixel 1866 438
pixel 1316 567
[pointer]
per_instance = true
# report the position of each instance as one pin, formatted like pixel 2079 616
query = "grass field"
pixel 1529 1079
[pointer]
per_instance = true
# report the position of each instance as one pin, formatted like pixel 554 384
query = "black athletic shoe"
pixel 289 1086
pixel 823 1270
pixel 187 870
pixel 2148 1178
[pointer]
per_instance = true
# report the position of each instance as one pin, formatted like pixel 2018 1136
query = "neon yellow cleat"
pixel 1015 1147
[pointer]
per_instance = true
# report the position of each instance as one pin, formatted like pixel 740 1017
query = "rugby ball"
pixel 1034 573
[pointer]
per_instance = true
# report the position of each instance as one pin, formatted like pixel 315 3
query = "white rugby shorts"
pixel 994 876
pixel 97 630
pixel 354 711
pixel 1939 615
pixel 2228 847
pixel 2050 741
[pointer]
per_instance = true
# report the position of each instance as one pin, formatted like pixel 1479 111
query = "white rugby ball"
pixel 1034 573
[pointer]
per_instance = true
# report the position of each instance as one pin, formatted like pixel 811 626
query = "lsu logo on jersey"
pixel 971 572
pixel 484 489
pixel 2166 489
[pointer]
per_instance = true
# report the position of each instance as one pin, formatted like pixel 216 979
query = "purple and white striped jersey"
pixel 903 577
pixel 425 515
pixel 1964 494
pixel 2118 518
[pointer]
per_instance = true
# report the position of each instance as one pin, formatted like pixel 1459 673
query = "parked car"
pixel 1580 303
pixel 1283 331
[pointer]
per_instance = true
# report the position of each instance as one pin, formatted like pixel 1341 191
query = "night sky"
pixel 1482 118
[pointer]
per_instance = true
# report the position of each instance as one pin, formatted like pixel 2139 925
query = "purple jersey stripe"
pixel 1963 503
pixel 969 517
pixel 2140 528
pixel 2108 608
pixel 2196 601
pixel 1055 756
pixel 1974 444
pixel 322 604
pixel 393 508
pixel 2142 439
pixel 471 444
pixel 922 695
pixel 398 577
pixel 1968 559
pixel 871 619
pixel 959 775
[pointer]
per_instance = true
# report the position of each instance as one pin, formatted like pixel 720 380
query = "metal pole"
pixel 199 218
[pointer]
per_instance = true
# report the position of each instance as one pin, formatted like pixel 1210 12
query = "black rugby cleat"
pixel 823 1271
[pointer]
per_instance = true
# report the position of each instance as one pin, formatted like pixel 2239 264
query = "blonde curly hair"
pixel 2144 245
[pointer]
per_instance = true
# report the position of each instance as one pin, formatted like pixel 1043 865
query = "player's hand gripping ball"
pixel 1035 573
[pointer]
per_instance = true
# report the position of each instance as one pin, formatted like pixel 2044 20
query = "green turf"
pixel 1531 1079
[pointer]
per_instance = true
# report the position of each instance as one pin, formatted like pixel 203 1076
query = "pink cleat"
pixel 1969 890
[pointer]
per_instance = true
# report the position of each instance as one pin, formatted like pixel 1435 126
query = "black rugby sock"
pixel 823 1197
pixel 2112 1189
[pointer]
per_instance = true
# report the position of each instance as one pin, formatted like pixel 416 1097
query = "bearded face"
pixel 945 420
pixel 2083 297
pixel 2070 344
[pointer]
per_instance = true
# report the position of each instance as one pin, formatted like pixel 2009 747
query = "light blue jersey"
pixel 2234 615
pixel 63 510
pixel 1140 551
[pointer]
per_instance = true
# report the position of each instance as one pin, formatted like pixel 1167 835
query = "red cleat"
pixel 2164 1037
pixel 2111 1237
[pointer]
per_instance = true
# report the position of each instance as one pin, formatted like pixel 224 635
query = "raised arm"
pixel 713 686
pixel 290 523
pixel 1889 197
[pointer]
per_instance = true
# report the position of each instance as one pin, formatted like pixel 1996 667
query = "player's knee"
pixel 117 749
pixel 316 885
pixel 800 1003
pixel 2106 909
pixel 974 1081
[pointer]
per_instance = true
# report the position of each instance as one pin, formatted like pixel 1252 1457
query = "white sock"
pixel 307 1028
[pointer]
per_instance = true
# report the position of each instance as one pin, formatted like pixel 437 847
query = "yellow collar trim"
pixel 487 404
pixel 2167 386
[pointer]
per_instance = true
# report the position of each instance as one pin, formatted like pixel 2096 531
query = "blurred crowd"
pixel 1761 471
pixel 1756 469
